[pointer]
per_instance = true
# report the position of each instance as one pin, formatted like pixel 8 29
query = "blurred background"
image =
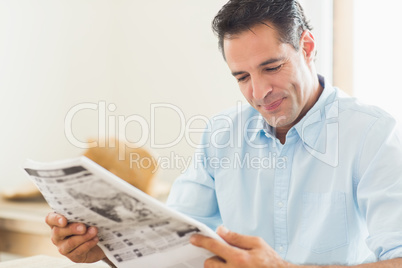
pixel 71 69
pixel 123 56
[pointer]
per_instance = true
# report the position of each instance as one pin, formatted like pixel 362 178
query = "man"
pixel 335 197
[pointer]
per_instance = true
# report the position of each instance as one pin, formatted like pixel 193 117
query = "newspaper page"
pixel 135 230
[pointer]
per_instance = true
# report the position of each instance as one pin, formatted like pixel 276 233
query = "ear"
pixel 307 44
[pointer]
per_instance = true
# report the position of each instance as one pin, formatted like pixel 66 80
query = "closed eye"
pixel 274 69
pixel 245 76
pixel 242 79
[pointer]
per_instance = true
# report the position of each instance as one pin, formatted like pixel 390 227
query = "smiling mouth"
pixel 273 105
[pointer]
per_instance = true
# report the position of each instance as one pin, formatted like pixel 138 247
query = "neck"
pixel 315 93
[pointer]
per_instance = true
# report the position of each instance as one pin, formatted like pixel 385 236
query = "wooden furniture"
pixel 43 261
pixel 123 161
pixel 23 230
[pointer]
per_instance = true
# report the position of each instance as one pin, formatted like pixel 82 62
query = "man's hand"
pixel 75 240
pixel 241 251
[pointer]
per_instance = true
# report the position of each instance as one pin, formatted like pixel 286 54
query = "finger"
pixel 59 234
pixel 72 243
pixel 87 252
pixel 238 240
pixel 214 262
pixel 219 248
pixel 53 219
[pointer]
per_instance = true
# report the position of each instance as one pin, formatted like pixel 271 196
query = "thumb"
pixel 238 240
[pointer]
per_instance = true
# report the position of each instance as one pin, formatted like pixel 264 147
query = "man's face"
pixel 273 77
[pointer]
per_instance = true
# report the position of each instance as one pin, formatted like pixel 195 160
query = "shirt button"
pixel 280 249
pixel 280 204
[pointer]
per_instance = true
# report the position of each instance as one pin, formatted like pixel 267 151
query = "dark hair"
pixel 286 16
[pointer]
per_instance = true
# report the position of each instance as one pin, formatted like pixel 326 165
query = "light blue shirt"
pixel 332 194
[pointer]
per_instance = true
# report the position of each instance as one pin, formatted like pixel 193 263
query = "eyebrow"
pixel 262 64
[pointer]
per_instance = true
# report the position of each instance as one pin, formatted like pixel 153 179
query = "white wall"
pixel 320 14
pixel 378 54
pixel 55 55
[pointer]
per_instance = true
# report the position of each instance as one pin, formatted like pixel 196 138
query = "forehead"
pixel 259 41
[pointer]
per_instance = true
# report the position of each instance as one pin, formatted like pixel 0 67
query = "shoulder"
pixel 367 128
pixel 225 130
pixel 357 114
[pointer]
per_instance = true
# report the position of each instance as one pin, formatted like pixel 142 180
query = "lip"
pixel 272 106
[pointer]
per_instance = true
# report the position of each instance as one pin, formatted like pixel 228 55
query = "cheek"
pixel 246 91
pixel 297 96
pixel 294 105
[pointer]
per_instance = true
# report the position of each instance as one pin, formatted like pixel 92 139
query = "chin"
pixel 275 119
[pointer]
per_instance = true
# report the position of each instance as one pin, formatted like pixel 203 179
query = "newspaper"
pixel 135 230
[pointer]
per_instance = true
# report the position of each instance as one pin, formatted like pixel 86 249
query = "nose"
pixel 261 88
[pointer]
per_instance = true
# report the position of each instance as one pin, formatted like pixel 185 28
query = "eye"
pixel 274 69
pixel 242 79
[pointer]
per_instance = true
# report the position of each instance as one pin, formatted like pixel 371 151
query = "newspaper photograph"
pixel 135 230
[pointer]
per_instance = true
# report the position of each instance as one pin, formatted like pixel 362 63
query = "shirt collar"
pixel 259 126
pixel 309 127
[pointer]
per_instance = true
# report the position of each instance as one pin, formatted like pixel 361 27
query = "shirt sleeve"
pixel 193 193
pixel 379 189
